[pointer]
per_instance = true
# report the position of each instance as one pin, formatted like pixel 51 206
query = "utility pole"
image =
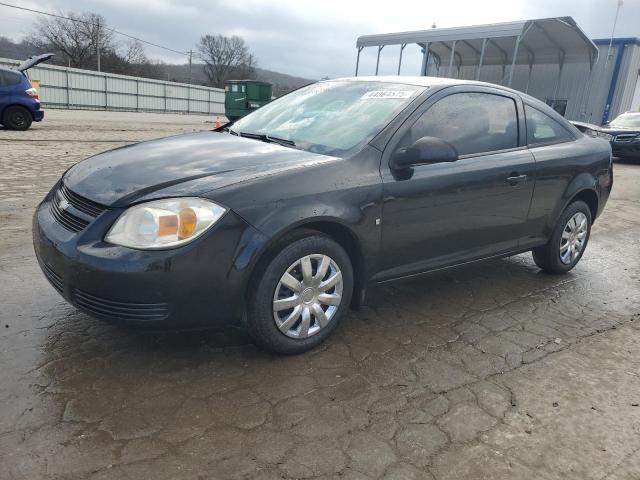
pixel 98 43
pixel 190 58
pixel 607 107
pixel 613 31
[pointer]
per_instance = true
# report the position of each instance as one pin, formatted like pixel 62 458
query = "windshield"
pixel 627 121
pixel 331 117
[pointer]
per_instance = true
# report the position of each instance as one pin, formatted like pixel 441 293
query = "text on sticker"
pixel 387 94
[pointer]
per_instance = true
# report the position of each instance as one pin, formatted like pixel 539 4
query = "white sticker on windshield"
pixel 387 94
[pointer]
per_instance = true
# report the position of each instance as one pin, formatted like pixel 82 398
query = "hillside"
pixel 282 83
pixel 17 51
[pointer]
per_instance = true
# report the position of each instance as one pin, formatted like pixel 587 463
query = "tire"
pixel 552 257
pixel 16 117
pixel 267 288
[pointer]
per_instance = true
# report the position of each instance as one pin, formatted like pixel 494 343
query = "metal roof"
pixel 546 40
pixel 617 41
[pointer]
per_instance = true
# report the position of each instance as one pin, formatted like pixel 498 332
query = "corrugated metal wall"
pixel 62 87
pixel 628 79
pixel 586 92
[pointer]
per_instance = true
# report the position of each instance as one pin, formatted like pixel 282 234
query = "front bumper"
pixel 626 149
pixel 201 283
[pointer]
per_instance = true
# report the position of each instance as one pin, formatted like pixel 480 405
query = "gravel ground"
pixel 493 371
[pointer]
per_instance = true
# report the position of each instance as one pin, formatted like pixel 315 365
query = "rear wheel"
pixel 568 241
pixel 17 118
pixel 297 299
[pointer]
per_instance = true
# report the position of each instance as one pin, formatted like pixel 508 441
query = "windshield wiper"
pixel 282 141
pixel 269 139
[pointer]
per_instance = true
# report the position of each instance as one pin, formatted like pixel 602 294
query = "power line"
pixel 94 25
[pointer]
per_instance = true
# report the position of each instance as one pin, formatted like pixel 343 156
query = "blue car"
pixel 19 101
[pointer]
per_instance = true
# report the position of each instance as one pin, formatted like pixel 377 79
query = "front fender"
pixel 358 221
pixel 283 218
pixel 347 193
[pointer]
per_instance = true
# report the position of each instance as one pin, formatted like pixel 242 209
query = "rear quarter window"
pixel 8 78
pixel 544 130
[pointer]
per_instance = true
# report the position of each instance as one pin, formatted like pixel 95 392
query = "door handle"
pixel 517 179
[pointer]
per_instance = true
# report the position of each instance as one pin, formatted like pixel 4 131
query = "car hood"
pixel 585 125
pixel 616 131
pixel 182 165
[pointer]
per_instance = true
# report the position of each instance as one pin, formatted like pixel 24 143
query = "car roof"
pixel 405 79
pixel 440 82
pixel 5 69
pixel 421 81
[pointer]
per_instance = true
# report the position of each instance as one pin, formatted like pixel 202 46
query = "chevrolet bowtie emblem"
pixel 63 205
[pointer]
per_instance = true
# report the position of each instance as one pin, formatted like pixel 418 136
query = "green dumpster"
pixel 244 96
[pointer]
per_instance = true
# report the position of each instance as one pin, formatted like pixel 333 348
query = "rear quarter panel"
pixel 562 171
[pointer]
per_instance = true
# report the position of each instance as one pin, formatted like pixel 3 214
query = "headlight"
pixel 164 223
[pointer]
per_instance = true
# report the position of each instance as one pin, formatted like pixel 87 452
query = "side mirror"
pixel 424 150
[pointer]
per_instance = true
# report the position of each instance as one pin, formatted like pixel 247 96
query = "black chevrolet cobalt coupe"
pixel 284 218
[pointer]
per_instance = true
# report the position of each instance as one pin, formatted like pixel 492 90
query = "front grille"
pixel 120 310
pixel 53 277
pixel 64 199
pixel 83 204
pixel 625 137
pixel 66 219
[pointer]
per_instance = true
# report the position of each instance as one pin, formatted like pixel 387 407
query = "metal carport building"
pixel 550 58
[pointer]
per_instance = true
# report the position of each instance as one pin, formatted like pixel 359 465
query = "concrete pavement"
pixel 494 371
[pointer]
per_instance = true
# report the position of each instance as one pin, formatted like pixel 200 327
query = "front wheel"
pixel 17 118
pixel 297 299
pixel 568 241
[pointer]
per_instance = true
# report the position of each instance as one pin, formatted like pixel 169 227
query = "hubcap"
pixel 307 296
pixel 573 238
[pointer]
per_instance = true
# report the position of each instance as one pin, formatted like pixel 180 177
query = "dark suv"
pixel 19 101
pixel 286 217
pixel 625 135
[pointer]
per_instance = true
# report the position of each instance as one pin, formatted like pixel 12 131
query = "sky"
pixel 316 39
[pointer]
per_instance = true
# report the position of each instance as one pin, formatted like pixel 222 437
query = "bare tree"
pixel 76 40
pixel 225 57
pixel 133 53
